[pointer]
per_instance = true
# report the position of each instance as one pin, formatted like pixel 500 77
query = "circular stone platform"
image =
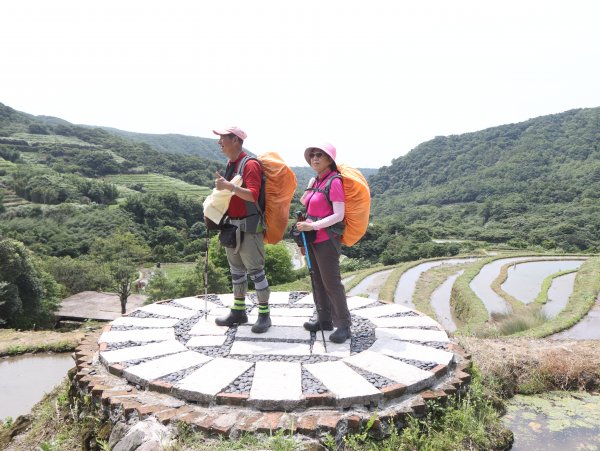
pixel 396 359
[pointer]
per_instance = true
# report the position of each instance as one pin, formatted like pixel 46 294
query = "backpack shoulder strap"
pixel 327 187
pixel 242 165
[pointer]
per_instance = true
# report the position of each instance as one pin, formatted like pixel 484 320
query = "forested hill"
pixel 534 182
pixel 174 143
pixel 91 152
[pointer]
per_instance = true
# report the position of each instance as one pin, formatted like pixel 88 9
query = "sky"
pixel 375 78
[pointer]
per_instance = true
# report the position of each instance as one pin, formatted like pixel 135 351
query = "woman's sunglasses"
pixel 315 155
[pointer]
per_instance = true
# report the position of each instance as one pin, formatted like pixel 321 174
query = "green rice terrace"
pixel 156 183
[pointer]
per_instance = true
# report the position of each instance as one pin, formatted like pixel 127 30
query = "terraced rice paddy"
pixel 471 295
pixel 156 183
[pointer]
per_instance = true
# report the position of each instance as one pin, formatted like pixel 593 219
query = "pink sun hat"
pixel 233 129
pixel 328 148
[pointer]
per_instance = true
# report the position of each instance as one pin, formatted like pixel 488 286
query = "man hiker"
pixel 247 258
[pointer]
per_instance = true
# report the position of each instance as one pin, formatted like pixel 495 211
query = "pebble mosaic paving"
pixel 176 341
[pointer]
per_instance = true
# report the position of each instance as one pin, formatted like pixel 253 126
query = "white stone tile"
pixel 412 334
pixel 305 312
pixel 406 321
pixel 208 327
pixel 279 297
pixel 414 378
pixel 308 299
pixel 138 335
pixel 215 312
pixel 154 369
pixel 226 299
pixel 269 348
pixel 277 381
pixel 144 322
pixel 383 310
pixel 206 340
pixel 292 321
pixel 275 333
pixel 142 352
pixel 355 302
pixel 348 386
pixel 194 303
pixel 167 310
pixel 333 349
pixel 411 351
pixel 208 380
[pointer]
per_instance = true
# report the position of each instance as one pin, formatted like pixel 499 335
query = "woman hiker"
pixel 325 215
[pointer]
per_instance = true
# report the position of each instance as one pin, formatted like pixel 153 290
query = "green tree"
pixel 122 253
pixel 278 264
pixel 29 295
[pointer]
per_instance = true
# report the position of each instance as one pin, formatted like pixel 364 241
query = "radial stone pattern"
pixel 177 342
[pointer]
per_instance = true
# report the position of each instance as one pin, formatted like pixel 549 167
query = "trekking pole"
pixel 206 278
pixel 312 283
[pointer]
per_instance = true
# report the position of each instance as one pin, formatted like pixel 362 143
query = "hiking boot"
pixel 340 335
pixel 234 317
pixel 314 326
pixel 262 324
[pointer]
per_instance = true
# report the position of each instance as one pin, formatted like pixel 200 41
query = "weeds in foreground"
pixel 465 421
pixel 505 324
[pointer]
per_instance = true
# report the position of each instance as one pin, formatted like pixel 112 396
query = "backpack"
pixel 276 192
pixel 357 203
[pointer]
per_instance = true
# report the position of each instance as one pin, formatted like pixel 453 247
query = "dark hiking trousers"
pixel 329 295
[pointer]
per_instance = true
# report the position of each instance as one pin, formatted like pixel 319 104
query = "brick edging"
pixel 229 413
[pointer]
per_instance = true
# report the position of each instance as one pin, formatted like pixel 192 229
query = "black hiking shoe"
pixel 315 326
pixel 262 324
pixel 234 317
pixel 340 335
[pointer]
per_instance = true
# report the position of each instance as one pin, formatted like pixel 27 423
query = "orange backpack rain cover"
pixel 357 204
pixel 280 185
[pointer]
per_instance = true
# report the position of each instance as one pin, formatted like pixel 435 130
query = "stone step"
pixel 204 383
pixel 194 303
pixel 167 310
pixel 406 321
pixel 276 385
pixel 149 371
pixel 142 352
pixel 355 302
pixel 275 333
pixel 132 321
pixel 208 327
pixel 410 351
pixel 291 321
pixel 347 385
pixel 412 334
pixel 269 348
pixel 206 340
pixel 414 378
pixel 140 335
pixel 383 310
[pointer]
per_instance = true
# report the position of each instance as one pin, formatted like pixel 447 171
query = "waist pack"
pixel 230 236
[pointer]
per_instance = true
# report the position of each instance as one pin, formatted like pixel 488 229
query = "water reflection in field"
pixel 24 380
pixel 371 285
pixel 524 280
pixel 440 302
pixel 558 294
pixel 408 281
